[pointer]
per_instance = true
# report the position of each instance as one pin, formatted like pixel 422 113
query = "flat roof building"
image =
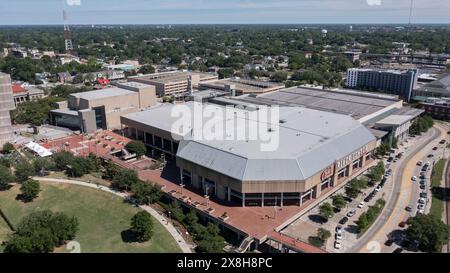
pixel 399 82
pixel 174 83
pixel 101 109
pixel 313 151
pixel 242 86
pixel 6 104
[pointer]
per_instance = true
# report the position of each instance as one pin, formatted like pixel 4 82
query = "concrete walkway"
pixel 185 247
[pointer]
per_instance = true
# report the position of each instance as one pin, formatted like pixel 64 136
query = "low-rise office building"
pixel 242 86
pixel 174 83
pixel 101 109
pixel 438 108
pixel 23 94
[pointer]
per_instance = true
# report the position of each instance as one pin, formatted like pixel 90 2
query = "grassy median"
pixel 437 203
pixel 103 218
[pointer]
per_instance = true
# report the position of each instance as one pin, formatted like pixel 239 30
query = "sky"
pixel 31 12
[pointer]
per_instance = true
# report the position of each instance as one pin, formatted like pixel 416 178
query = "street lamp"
pixel 207 200
pixel 182 186
pixel 169 217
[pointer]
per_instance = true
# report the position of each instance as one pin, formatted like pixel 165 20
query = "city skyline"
pixel 27 12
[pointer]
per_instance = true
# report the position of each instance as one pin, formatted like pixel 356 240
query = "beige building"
pixel 6 104
pixel 313 152
pixel 242 86
pixel 101 109
pixel 22 94
pixel 174 83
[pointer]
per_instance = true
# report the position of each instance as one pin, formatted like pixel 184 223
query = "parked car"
pixel 435 148
pixel 339 229
pixel 419 163
pixel 378 188
pixel 408 208
pixel 420 207
pixel 398 250
pixel 390 159
pixel 421 201
pixel 442 141
pixel 343 221
pixel 338 236
pixel 422 187
pixel 389 242
pixel 414 178
pixel 402 224
pixel 361 204
pixel 351 213
pixel 389 171
pixel 337 245
pixel 430 155
pixel 395 159
pixel 423 194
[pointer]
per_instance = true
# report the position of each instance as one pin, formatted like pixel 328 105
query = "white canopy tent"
pixel 38 149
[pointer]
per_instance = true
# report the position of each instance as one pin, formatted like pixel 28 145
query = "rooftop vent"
pixel 283 120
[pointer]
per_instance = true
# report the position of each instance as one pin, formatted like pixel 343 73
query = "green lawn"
pixel 437 205
pixel 4 231
pixel 102 217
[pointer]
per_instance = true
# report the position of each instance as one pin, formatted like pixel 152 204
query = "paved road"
pixel 185 247
pixel 447 203
pixel 370 241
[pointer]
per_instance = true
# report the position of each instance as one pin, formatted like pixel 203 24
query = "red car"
pixel 402 224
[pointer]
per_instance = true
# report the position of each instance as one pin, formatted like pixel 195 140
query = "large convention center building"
pixel 313 151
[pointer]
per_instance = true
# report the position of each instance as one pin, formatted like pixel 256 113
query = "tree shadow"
pixel 20 197
pixel 317 219
pixel 441 193
pixel 128 236
pixel 352 229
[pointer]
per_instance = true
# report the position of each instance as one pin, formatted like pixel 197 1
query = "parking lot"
pixel 308 224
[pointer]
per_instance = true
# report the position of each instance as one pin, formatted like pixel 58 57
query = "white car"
pixel 337 245
pixel 420 163
pixel 351 213
pixel 338 230
pixel 421 201
pixel 338 236
pixel 361 205
pixel 378 188
pixel 414 178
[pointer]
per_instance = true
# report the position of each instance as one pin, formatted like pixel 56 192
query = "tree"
pixel 24 171
pixel 323 234
pixel 30 190
pixel 279 76
pixel 145 193
pixel 124 179
pixel 430 231
pixel 147 69
pixel 339 201
pixel 8 148
pixel 352 190
pixel 42 164
pixel 225 73
pixel 6 178
pixel 136 147
pixel 326 210
pixel 142 226
pixel 41 232
pixel 62 160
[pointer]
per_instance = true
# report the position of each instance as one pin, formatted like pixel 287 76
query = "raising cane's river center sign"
pixel 350 158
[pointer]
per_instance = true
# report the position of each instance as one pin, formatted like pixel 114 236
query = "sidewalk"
pixel 186 248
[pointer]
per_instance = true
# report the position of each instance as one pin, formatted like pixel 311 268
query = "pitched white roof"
pixel 38 149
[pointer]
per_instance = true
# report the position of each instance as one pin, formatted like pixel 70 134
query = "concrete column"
pixel 229 194
pixel 301 199
pixel 145 137
pixel 171 147
pixel 181 175
pixel 281 202
pixel 153 140
pixel 136 131
pixel 262 200
pixel 243 199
